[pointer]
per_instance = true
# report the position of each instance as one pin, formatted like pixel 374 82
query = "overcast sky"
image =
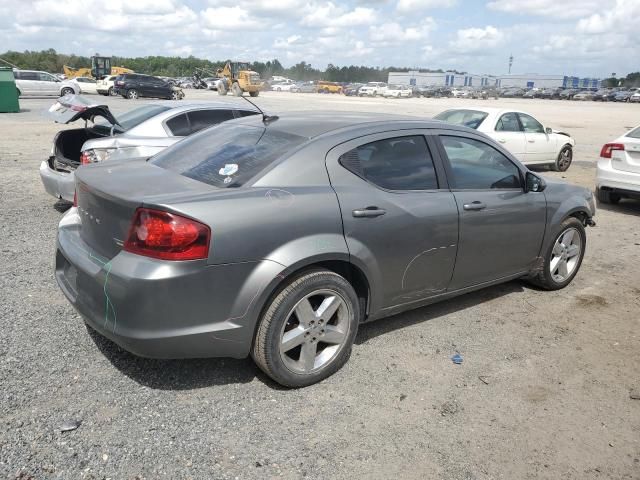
pixel 573 37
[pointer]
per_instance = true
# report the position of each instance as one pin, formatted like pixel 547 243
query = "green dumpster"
pixel 8 91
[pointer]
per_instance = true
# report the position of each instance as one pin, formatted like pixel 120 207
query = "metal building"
pixel 450 79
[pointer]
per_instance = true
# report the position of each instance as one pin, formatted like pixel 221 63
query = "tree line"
pixel 52 61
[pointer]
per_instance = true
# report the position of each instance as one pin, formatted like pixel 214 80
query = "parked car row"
pixel 601 95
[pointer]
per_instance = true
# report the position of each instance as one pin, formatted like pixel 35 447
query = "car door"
pixel 540 146
pixel 508 132
pixel 400 220
pixel 501 226
pixel 48 84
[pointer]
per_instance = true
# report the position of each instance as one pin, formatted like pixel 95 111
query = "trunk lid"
pixel 108 195
pixel 73 107
pixel 627 160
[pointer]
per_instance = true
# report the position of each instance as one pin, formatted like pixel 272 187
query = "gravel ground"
pixel 545 389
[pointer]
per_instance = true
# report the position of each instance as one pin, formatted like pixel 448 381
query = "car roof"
pixel 313 124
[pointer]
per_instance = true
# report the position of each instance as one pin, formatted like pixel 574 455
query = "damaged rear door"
pixel 400 220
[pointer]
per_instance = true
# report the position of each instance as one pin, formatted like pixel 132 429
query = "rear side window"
pixel 227 156
pixel 29 76
pixel 205 118
pixel 635 133
pixel 465 118
pixel 478 166
pixel 399 163
pixel 179 125
pixel 508 123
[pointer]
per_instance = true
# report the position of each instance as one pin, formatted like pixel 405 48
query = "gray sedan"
pixel 276 237
pixel 141 132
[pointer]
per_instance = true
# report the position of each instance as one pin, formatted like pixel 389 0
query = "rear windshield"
pixel 135 117
pixel 465 118
pixel 227 156
pixel 635 133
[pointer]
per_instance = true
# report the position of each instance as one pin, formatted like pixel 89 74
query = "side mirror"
pixel 534 183
pixel 548 130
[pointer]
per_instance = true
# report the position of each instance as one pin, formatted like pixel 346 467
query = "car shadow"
pixel 188 374
pixel 627 206
pixel 368 331
pixel 191 374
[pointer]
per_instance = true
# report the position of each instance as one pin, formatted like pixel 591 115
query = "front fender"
pixel 560 207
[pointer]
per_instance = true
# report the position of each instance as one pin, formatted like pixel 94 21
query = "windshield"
pixel 227 155
pixel 134 117
pixel 465 118
pixel 635 133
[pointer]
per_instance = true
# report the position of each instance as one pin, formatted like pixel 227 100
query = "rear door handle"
pixel 531 141
pixel 368 212
pixel 475 206
pixel 502 140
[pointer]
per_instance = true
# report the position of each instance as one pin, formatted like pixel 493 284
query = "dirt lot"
pixel 544 390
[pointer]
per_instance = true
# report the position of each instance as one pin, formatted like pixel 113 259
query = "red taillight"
pixel 85 159
pixel 609 148
pixel 167 236
pixel 75 198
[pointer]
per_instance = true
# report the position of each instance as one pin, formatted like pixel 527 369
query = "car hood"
pixel 70 108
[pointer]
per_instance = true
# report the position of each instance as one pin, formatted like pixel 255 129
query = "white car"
pixel 282 87
pixel 635 98
pixel 372 89
pixel 397 91
pixel 104 86
pixel 520 133
pixel 42 84
pixel 618 170
pixel 86 85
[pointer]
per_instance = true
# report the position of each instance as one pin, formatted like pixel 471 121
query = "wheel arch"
pixel 337 263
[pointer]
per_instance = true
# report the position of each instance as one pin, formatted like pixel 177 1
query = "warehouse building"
pixel 527 80
pixel 443 79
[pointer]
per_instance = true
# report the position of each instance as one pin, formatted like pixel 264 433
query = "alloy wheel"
pixel 565 159
pixel 565 255
pixel 315 330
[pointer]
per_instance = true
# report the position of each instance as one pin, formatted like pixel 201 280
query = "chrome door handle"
pixel 368 212
pixel 502 140
pixel 531 141
pixel 475 206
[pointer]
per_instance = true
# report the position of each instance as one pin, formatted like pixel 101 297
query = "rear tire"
pixel 254 94
pixel 315 306
pixel 67 91
pixel 565 157
pixel 567 249
pixel 110 92
pixel 236 90
pixel 608 196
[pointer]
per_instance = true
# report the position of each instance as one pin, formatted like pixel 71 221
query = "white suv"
pixel 105 85
pixel 372 89
pixel 35 83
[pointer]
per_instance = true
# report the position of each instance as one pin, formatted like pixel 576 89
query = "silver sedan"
pixel 141 132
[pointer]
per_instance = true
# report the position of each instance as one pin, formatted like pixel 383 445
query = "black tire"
pixel 132 94
pixel 110 92
pixel 543 277
pixel 564 162
pixel 266 348
pixel 236 90
pixel 254 94
pixel 67 91
pixel 608 196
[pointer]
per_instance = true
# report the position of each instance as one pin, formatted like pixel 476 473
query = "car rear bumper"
pixel 61 185
pixel 162 309
pixel 613 179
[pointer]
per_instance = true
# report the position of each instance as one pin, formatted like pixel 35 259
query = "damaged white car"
pixel 138 133
pixel 526 138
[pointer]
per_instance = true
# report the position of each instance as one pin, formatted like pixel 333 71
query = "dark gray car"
pixel 276 238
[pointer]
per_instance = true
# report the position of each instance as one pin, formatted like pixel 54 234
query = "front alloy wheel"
pixel 564 159
pixel 132 94
pixel 308 329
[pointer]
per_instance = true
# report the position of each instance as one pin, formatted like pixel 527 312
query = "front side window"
pixel 45 77
pixel 476 165
pixel 508 123
pixel 530 124
pixel 399 163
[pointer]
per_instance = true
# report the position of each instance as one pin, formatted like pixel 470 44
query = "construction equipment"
pixel 100 67
pixel 238 78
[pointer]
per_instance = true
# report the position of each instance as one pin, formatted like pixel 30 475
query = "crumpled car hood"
pixel 70 108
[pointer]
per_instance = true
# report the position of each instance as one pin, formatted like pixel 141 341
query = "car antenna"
pixel 266 119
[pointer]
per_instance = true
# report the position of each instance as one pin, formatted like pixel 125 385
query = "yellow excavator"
pixel 100 66
pixel 237 77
